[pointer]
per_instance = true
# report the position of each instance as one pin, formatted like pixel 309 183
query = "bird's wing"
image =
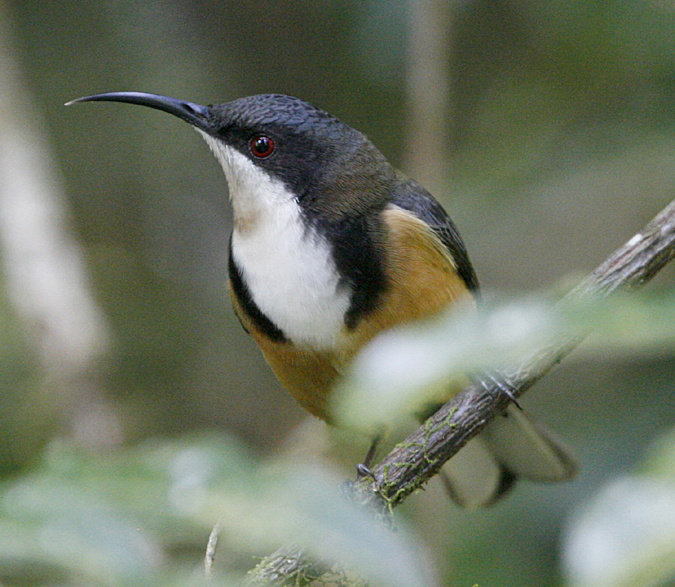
pixel 511 446
pixel 412 197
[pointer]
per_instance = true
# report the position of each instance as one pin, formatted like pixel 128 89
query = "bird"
pixel 331 246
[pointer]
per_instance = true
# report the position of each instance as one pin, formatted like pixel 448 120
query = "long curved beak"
pixel 194 114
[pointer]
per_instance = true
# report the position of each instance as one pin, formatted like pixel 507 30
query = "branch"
pixel 414 461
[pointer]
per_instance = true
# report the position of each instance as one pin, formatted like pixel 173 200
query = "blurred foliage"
pixel 563 145
pixel 409 367
pixel 624 536
pixel 143 517
pixel 82 518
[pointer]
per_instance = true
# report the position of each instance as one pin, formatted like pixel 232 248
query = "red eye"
pixel 262 146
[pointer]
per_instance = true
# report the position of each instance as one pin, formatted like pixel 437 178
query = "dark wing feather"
pixel 412 197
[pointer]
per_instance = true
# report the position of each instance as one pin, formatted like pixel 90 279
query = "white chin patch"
pixel 287 267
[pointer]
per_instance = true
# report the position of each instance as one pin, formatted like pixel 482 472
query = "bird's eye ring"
pixel 262 146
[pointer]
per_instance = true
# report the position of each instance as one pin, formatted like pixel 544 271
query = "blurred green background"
pixel 545 127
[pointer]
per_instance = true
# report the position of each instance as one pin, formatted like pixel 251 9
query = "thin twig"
pixel 211 547
pixel 418 458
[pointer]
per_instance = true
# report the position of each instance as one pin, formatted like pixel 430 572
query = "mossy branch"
pixel 414 461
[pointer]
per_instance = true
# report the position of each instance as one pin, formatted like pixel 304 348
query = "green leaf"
pixel 404 369
pixel 112 519
pixel 291 505
pixel 115 519
pixel 625 536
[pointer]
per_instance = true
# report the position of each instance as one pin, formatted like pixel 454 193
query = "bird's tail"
pixel 512 446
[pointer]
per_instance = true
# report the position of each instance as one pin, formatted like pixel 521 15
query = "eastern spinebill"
pixel 332 246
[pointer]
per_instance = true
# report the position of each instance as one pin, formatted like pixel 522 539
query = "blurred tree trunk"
pixel 42 264
pixel 428 92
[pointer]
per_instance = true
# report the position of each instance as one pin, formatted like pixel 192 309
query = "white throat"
pixel 288 268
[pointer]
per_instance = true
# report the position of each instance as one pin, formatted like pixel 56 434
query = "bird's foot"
pixel 502 384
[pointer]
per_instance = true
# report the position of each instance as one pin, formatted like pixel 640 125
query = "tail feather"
pixel 527 449
pixel 473 477
pixel 511 446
